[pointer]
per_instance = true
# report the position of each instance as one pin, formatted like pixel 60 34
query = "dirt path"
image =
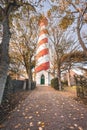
pixel 47 109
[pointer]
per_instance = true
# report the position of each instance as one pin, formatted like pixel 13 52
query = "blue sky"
pixel 45 7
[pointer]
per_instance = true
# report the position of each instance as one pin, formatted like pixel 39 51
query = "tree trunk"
pixel 59 78
pixel 30 74
pixel 68 76
pixel 29 83
pixel 79 36
pixel 4 61
pixel 30 78
pixel 24 85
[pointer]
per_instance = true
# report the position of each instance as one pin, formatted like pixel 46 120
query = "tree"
pixel 73 60
pixel 25 43
pixel 60 40
pixel 66 13
pixel 6 8
pixel 61 47
pixel 71 14
pixel 74 11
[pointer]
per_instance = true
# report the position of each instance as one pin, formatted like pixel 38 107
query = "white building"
pixel 42 69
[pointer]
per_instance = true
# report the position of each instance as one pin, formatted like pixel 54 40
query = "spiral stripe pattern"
pixel 42 54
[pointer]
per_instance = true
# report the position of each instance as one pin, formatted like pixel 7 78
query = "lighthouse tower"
pixel 42 55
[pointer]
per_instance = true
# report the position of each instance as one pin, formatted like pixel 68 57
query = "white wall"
pixel 38 77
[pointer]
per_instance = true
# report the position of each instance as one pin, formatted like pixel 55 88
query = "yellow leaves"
pixel 18 110
pixel 48 13
pixel 40 128
pixel 71 127
pixel 41 124
pixel 62 116
pixel 30 117
pixel 31 124
pixel 54 8
pixel 36 112
pixel 63 5
pixel 80 128
pixel 82 116
pixel 42 19
pixel 26 117
pixel 18 125
pixel 76 56
pixel 66 21
pixel 28 7
pixel 31 7
pixel 75 125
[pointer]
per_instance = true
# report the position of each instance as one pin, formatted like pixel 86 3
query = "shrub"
pixel 55 84
pixel 64 82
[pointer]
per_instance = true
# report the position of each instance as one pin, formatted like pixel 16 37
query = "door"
pixel 42 79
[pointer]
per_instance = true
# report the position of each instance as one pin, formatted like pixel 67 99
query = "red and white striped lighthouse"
pixel 42 54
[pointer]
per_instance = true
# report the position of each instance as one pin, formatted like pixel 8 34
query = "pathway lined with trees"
pixel 19 31
pixel 48 109
pixel 44 108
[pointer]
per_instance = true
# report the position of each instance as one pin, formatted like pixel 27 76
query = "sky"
pixel 45 7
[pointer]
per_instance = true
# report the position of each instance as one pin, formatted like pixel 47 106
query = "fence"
pixel 81 86
pixel 13 86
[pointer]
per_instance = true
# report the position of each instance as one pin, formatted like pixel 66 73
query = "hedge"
pixel 55 84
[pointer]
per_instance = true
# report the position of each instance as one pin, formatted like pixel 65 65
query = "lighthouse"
pixel 42 55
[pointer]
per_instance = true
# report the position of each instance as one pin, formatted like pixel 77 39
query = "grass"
pixel 71 89
pixel 73 92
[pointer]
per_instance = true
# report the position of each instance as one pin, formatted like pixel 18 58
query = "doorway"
pixel 42 79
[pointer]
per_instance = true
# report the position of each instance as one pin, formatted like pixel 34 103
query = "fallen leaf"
pixel 31 123
pixel 30 117
pixel 80 128
pixel 40 128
